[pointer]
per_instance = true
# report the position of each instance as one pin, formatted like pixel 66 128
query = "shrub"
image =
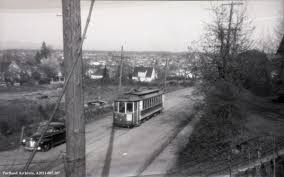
pixel 224 110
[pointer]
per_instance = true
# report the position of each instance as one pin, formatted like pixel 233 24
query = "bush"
pixel 224 110
pixel 44 81
pixel 253 69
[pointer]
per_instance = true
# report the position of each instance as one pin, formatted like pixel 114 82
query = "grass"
pixel 15 89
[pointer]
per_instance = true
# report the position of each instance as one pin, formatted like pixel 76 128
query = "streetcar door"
pixel 136 118
pixel 129 111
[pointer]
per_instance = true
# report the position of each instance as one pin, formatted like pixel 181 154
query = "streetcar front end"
pixel 125 113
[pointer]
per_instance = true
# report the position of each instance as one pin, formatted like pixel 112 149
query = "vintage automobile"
pixel 55 135
pixel 95 104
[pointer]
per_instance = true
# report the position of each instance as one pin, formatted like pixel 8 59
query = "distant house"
pixel 58 79
pixel 144 74
pixel 95 73
pixel 181 73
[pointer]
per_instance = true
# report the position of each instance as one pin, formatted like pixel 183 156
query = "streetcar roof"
pixel 137 95
pixel 145 92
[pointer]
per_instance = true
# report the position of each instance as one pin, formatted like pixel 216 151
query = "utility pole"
pixel 120 68
pixel 274 156
pixel 166 73
pixel 232 4
pixel 75 122
pixel 229 30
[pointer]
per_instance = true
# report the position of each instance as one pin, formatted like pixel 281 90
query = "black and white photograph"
pixel 142 88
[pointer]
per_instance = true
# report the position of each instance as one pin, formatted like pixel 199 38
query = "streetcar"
pixel 132 108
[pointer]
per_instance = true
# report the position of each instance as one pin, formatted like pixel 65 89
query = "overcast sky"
pixel 139 25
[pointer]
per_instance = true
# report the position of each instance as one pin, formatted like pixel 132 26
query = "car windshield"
pixel 41 128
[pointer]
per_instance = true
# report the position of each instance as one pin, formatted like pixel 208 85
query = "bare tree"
pixel 227 36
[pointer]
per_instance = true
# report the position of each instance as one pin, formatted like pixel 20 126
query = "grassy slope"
pixel 205 155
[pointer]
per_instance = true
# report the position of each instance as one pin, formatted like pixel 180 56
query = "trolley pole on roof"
pixel 75 123
pixel 120 68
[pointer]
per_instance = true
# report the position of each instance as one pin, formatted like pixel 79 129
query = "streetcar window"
pixel 121 107
pixel 145 104
pixel 129 107
pixel 115 106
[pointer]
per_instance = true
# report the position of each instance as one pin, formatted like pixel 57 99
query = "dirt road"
pixel 121 152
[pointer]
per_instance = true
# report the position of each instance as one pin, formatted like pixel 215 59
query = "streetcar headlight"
pixel 24 140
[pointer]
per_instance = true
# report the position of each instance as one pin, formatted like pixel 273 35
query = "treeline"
pixel 28 67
